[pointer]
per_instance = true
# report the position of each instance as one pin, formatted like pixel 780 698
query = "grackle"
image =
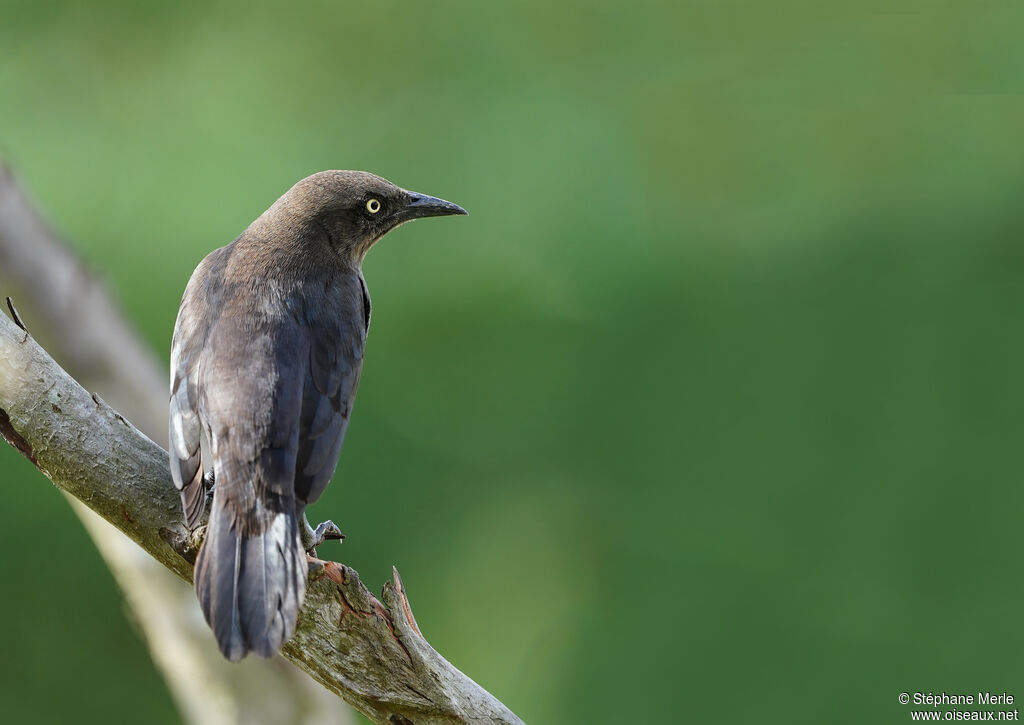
pixel 265 362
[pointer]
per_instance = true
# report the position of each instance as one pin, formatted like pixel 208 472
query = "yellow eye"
pixel 373 206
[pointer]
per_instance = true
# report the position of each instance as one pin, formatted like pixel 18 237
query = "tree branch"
pixel 368 651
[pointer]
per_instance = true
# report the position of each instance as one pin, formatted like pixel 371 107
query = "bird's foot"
pixel 208 481
pixel 312 538
pixel 196 536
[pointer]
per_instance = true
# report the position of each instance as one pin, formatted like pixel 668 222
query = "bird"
pixel 265 361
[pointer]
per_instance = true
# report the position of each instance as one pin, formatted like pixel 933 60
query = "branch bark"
pixel 369 651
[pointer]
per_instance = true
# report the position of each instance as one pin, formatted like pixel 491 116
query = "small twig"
pixel 15 316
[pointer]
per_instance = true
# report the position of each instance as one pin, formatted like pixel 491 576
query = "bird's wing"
pixel 190 333
pixel 329 390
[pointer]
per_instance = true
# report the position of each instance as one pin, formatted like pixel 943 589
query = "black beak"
pixel 421 205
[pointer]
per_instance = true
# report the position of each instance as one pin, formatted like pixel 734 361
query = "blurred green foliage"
pixel 711 410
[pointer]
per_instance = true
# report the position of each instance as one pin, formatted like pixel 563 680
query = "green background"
pixel 710 411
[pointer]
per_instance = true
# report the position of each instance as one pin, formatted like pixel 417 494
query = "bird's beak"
pixel 421 205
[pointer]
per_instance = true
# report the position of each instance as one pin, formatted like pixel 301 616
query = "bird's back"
pixel 266 369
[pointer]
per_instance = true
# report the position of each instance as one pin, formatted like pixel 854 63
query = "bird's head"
pixel 355 209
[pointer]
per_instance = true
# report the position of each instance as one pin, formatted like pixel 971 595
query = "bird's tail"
pixel 250 587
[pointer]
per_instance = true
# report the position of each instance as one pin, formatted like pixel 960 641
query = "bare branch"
pixel 368 651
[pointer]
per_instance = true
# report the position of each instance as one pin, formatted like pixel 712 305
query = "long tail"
pixel 251 588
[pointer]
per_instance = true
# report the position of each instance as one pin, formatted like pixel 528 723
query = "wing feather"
pixel 191 330
pixel 331 381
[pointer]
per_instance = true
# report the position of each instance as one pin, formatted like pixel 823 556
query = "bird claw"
pixel 312 538
pixel 196 536
pixel 208 481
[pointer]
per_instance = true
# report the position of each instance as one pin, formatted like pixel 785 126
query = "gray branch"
pixel 369 651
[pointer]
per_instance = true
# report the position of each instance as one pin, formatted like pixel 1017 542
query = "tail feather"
pixel 250 588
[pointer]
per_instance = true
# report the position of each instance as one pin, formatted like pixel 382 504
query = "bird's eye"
pixel 373 206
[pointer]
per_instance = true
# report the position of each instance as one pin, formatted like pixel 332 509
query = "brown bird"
pixel 265 361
